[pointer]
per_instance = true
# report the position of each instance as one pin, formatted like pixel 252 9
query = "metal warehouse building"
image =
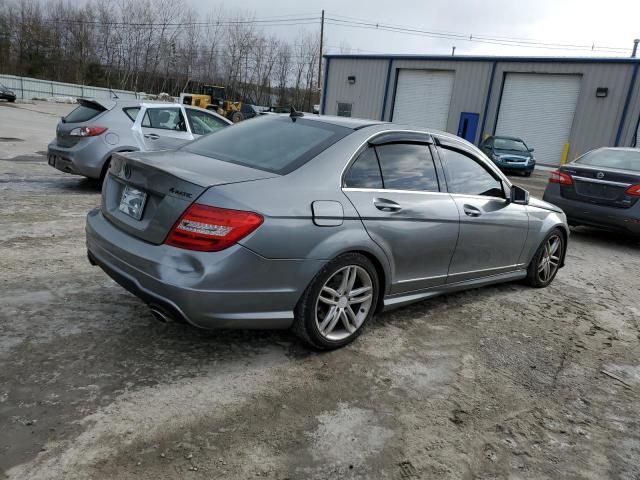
pixel 562 107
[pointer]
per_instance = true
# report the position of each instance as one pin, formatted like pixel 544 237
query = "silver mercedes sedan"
pixel 315 224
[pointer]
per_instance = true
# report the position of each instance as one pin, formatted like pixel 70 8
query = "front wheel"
pixel 546 262
pixel 339 301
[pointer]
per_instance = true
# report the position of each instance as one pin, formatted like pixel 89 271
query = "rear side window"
pixel 365 171
pixel 466 176
pixel 131 112
pixel 407 166
pixel 271 143
pixel 83 113
pixel 607 158
pixel 164 118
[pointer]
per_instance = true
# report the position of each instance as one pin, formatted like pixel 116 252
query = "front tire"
pixel 338 302
pixel 546 261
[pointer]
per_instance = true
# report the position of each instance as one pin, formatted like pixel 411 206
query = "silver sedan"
pixel 315 224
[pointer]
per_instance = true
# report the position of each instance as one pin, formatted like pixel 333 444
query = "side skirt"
pixel 405 299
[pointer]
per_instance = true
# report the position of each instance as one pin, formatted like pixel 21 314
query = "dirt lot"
pixel 500 382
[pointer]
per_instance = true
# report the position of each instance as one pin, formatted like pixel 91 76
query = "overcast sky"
pixel 612 23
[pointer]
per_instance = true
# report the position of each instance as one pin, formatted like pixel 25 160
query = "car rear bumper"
pixel 85 158
pixel 622 219
pixel 234 288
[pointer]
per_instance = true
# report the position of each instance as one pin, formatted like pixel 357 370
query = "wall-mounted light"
pixel 602 92
pixel 351 79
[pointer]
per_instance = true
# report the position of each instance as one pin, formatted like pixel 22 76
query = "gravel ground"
pixel 499 382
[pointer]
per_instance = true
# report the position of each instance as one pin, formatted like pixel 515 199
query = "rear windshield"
pixel 606 158
pixel 83 113
pixel 274 144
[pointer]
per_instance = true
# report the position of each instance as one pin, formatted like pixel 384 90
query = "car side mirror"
pixel 531 149
pixel 519 195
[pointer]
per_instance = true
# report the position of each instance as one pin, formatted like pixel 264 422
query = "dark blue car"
pixel 510 154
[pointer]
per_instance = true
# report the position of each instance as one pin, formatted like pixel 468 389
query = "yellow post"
pixel 565 154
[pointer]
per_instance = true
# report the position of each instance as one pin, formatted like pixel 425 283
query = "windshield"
pixel 509 144
pixel 609 158
pixel 274 144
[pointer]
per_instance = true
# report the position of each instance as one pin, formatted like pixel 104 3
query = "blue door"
pixel 468 126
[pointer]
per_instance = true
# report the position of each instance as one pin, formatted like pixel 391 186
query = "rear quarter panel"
pixel 288 231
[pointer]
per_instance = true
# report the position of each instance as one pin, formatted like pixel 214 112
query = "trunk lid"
pixel 87 112
pixel 171 181
pixel 601 186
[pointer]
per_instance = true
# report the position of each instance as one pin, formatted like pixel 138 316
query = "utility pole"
pixel 320 58
pixel 635 47
pixel 453 51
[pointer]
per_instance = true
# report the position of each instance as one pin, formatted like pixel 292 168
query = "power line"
pixel 494 40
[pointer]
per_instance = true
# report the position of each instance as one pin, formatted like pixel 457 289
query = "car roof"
pixel 349 122
pixel 625 149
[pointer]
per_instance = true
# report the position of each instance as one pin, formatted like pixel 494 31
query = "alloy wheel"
pixel 550 258
pixel 344 302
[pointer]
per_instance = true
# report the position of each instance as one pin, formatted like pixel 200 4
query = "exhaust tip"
pixel 159 315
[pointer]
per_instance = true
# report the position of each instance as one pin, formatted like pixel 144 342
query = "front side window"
pixel 407 166
pixel 164 118
pixel 203 122
pixel 467 176
pixel 344 109
pixel 365 171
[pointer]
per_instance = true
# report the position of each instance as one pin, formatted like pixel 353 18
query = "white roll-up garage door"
pixel 423 98
pixel 539 108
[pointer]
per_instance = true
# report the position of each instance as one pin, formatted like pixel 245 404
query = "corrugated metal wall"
pixel 366 93
pixel 29 88
pixel 596 121
pixel 469 87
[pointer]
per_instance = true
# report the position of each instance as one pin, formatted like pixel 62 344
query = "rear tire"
pixel 236 117
pixel 546 262
pixel 338 302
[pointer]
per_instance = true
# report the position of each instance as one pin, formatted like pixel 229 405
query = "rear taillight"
pixel 560 177
pixel 633 190
pixel 211 229
pixel 87 131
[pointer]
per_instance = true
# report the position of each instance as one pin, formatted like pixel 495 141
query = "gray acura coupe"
pixel 315 223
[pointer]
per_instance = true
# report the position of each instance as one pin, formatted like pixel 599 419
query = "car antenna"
pixel 115 95
pixel 294 113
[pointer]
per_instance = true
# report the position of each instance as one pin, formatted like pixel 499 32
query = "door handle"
pixel 386 205
pixel 471 211
pixel 152 136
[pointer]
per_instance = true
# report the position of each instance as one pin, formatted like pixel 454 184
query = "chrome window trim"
pixel 389 190
pixel 480 197
pixel 603 182
pixel 514 266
